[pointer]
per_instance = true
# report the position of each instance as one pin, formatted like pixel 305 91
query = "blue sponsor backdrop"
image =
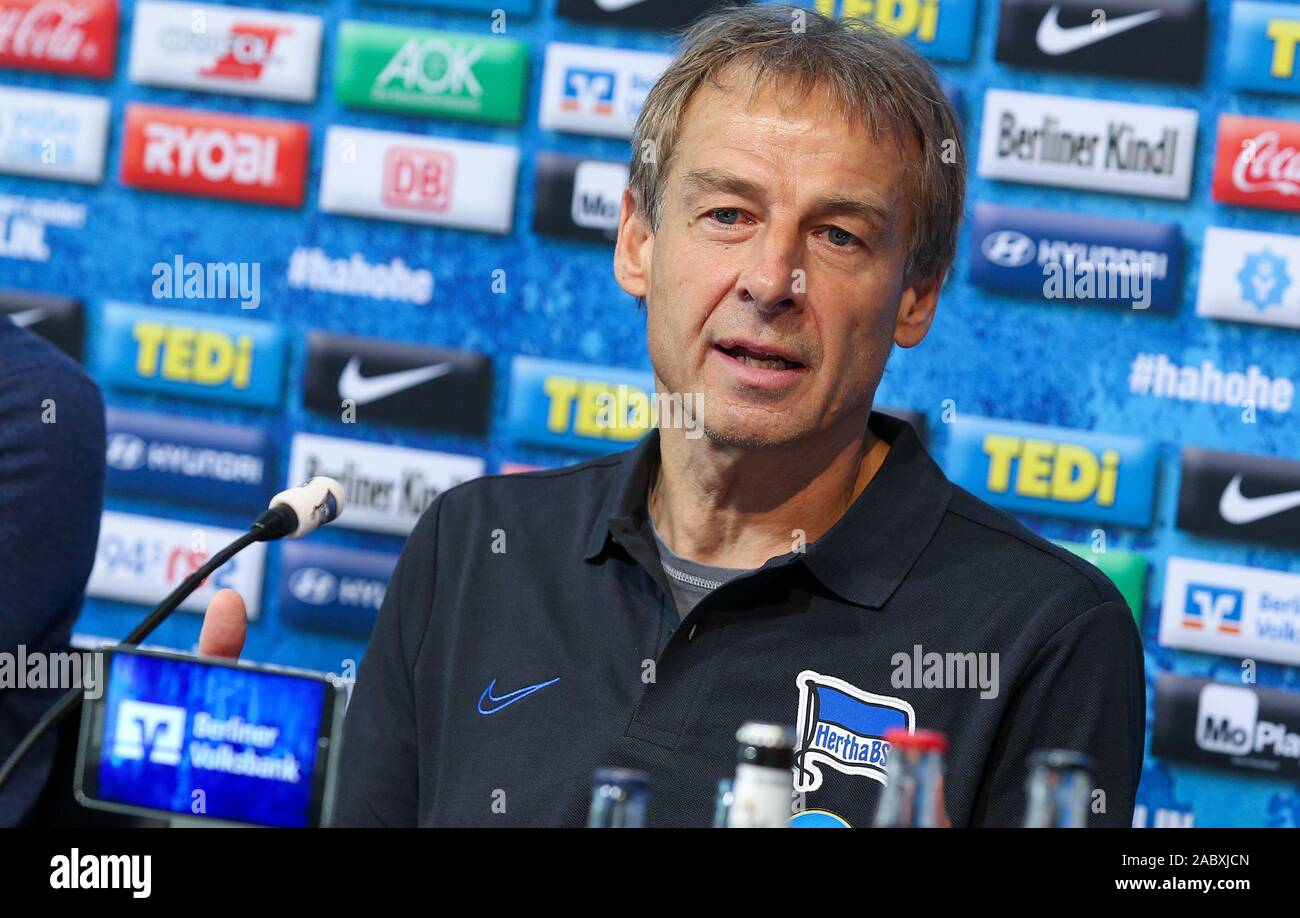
pixel 990 354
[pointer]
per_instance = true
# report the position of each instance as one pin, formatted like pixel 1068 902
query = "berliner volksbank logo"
pixel 843 727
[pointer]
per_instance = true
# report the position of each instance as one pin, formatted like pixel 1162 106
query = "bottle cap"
pixel 920 740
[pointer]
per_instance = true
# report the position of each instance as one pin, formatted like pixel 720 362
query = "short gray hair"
pixel 871 75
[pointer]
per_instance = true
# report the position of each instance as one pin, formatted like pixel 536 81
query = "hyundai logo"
pixel 313 585
pixel 1008 248
pixel 126 451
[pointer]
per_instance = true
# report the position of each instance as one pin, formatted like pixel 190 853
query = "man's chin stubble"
pixel 744 440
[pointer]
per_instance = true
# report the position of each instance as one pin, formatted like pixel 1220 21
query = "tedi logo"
pixel 103 871
pixel 207 357
pixel 1051 470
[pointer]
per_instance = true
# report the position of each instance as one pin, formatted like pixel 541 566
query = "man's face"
pixel 774 284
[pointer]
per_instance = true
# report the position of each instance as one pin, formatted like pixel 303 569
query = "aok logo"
pixel 433 66
pixel 419 179
pixel 1051 470
pixel 1213 608
pixel 590 408
pixel 149 732
pixel 199 356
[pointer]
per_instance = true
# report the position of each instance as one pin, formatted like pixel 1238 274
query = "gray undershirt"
pixel 689 580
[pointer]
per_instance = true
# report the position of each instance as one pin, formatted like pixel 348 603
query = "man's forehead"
pixel 741 90
pixel 780 119
pixel 763 148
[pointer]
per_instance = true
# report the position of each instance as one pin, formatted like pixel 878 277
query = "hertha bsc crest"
pixel 843 727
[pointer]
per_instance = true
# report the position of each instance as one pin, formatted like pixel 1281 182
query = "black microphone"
pixel 293 513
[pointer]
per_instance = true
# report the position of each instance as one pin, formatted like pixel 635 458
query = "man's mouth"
pixel 759 356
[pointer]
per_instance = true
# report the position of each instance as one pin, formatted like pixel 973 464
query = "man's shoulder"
pixel 1004 554
pixel 32 363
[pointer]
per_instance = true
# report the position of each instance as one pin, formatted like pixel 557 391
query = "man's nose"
pixel 773 280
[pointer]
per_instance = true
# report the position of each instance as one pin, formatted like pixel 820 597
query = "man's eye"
pixel 727 215
pixel 839 237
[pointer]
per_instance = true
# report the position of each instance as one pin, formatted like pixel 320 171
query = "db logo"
pixel 418 179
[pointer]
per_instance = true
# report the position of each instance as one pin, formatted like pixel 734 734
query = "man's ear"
pixel 916 310
pixel 633 248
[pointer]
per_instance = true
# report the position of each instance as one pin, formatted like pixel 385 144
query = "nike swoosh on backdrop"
pixel 27 317
pixel 613 6
pixel 364 389
pixel 1054 40
pixel 509 698
pixel 1239 510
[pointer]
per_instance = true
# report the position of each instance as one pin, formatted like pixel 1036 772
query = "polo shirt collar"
pixel 625 501
pixel 869 551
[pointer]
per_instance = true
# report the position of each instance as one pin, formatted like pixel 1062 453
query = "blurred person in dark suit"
pixel 51 494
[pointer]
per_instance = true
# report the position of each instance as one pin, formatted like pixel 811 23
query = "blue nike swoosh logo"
pixel 510 697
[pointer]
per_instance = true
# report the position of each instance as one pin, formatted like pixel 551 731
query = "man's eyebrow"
pixel 872 212
pixel 704 181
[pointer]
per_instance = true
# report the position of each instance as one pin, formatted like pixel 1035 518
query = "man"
pixel 795 196
pixel 51 489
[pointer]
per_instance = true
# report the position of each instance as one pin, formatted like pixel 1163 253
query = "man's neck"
pixel 734 507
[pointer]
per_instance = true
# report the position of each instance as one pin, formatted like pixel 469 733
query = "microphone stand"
pixel 275 523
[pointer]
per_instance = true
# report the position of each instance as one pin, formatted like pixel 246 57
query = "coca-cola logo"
pixel 1263 164
pixel 215 154
pixel 49 30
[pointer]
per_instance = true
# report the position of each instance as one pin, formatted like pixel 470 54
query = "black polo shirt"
pixel 527 638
